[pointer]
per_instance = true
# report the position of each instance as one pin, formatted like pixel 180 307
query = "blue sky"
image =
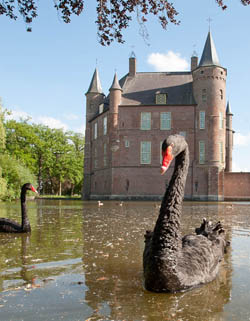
pixel 46 73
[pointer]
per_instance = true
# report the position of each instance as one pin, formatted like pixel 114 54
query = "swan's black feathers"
pixel 171 262
pixel 9 226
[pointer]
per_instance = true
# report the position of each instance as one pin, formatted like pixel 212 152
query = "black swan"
pixel 172 263
pixel 9 226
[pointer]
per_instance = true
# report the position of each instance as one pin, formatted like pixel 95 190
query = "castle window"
pixel 95 130
pixel 221 152
pixel 201 152
pixel 202 71
pixel 145 152
pixel 161 99
pixel 204 95
pixel 145 121
pixel 221 94
pixel 166 121
pixel 104 154
pixel 126 143
pixel 95 163
pixel 105 125
pixel 101 108
pixel 202 119
pixel 221 121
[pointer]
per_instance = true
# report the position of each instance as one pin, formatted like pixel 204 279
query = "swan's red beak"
pixel 34 190
pixel 166 159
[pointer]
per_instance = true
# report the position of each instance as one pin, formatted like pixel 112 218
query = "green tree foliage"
pixel 15 175
pixel 55 157
pixel 3 183
pixel 113 16
pixel 2 130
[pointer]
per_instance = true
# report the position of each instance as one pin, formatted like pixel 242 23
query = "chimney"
pixel 132 64
pixel 194 62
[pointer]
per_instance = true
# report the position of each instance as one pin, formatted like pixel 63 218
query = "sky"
pixel 44 74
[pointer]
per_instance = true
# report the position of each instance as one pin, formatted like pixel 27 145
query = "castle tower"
pixel 94 97
pixel 209 90
pixel 229 138
pixel 114 102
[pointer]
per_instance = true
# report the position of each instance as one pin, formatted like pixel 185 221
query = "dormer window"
pixel 160 99
pixel 101 108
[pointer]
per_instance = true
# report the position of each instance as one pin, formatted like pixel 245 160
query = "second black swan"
pixel 173 263
pixel 10 226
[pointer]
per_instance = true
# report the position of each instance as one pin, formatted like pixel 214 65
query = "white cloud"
pixel 70 116
pixel 169 61
pixel 44 120
pixel 17 115
pixel 241 140
pixel 51 122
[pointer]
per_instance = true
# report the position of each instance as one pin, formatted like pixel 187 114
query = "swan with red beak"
pixel 167 157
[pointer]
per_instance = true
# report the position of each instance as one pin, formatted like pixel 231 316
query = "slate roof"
pixel 209 56
pixel 141 89
pixel 115 84
pixel 228 110
pixel 95 84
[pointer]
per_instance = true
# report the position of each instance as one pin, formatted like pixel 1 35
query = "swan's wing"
pixel 10 226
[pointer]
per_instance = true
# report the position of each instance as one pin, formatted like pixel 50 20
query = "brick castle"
pixel 125 129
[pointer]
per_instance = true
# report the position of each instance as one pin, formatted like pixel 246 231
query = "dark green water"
pixel 82 262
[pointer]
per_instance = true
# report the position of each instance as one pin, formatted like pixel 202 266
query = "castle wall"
pixel 236 186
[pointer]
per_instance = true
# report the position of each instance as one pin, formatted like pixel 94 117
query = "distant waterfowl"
pixel 100 203
pixel 10 226
pixel 172 263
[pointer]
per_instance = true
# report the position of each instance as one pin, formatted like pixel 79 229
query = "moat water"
pixel 84 262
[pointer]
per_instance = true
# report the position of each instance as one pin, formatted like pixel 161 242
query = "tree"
pixel 113 16
pixel 54 157
pixel 3 183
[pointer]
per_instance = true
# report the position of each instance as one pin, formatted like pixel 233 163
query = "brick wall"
pixel 237 186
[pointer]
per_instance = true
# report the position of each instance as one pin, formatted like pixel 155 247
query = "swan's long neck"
pixel 167 235
pixel 25 220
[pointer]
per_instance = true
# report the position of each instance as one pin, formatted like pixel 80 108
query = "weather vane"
pixel 209 22
pixel 132 55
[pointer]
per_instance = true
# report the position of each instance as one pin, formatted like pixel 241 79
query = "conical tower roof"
pixel 95 85
pixel 228 110
pixel 209 56
pixel 115 84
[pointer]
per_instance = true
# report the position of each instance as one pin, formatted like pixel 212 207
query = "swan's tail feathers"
pixel 209 229
pixel 214 232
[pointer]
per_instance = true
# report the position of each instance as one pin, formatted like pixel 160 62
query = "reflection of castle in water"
pixel 112 260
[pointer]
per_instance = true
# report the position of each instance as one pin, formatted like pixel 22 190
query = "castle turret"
pixel 94 97
pixel 114 102
pixel 229 138
pixel 209 89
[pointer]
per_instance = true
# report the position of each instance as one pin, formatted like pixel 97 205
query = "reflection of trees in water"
pixel 112 260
